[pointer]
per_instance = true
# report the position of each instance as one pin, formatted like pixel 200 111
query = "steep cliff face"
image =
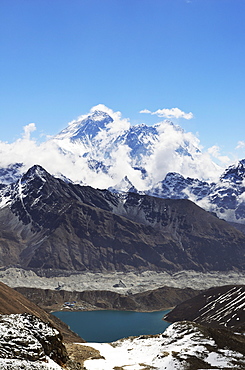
pixel 48 223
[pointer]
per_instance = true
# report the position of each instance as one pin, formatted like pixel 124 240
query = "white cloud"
pixel 214 151
pixel 240 145
pixel 145 111
pixel 165 158
pixel 169 113
pixel 47 154
pixel 28 129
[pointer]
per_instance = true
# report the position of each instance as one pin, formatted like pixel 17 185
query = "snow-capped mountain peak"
pixel 235 173
pixel 89 125
pixel 145 154
pixel 103 150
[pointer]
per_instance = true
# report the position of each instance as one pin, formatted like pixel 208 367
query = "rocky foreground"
pixel 26 342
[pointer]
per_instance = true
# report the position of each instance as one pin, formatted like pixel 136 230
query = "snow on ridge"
pixel 224 308
pixel 26 342
pixel 171 350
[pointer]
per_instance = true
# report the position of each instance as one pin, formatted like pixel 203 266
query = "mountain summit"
pixel 86 128
pixel 113 149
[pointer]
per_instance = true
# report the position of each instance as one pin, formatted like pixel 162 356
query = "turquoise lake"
pixel 108 326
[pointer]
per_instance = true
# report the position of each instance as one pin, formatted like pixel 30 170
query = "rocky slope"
pixel 25 337
pixel 216 307
pixel 12 302
pixel 50 224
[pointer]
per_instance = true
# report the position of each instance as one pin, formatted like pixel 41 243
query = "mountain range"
pixel 145 218
pixel 48 223
pixel 104 151
pixel 150 207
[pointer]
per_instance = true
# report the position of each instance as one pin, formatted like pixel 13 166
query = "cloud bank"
pixel 180 151
pixel 174 151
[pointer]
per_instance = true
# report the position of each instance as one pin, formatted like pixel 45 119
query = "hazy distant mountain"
pixel 147 149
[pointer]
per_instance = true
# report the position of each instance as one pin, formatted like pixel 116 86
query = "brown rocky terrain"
pixel 153 300
pixel 13 302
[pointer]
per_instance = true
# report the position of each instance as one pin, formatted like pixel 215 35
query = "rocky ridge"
pixel 47 223
pixel 216 307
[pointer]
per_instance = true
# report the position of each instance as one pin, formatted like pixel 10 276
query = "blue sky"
pixel 61 57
